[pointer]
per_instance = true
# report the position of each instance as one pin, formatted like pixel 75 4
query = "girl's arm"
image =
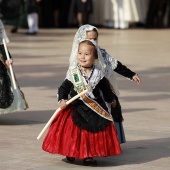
pixel 63 92
pixel 119 68
pixel 124 71
pixel 108 95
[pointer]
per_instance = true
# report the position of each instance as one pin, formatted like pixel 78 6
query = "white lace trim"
pixel 80 36
pixel 96 76
pixel 105 62
pixel 111 64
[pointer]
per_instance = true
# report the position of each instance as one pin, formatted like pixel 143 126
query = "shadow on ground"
pixel 134 152
pixel 26 118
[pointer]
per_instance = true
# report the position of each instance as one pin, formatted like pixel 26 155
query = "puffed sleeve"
pixel 124 71
pixel 64 90
pixel 104 86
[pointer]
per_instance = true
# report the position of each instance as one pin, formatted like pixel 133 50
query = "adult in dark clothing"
pixel 11 98
pixel 156 13
pixel 63 13
pixel 47 13
pixel 12 10
pixel 82 9
pixel 6 95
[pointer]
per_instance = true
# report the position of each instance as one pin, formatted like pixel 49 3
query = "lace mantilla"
pixel 79 37
pixel 106 62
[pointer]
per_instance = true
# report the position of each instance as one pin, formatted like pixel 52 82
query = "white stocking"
pixel 32 22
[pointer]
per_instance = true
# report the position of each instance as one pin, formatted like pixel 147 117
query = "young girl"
pixel 84 129
pixel 11 99
pixel 110 66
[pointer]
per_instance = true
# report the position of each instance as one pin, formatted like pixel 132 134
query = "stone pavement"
pixel 40 63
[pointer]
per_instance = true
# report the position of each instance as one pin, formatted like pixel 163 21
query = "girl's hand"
pixel 136 79
pixel 63 104
pixel 113 103
pixel 8 62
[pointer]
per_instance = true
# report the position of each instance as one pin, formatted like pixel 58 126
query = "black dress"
pixel 32 6
pixel 80 6
pixel 11 99
pixel 83 116
pixel 6 95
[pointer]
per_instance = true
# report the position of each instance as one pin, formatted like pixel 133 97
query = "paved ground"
pixel 40 63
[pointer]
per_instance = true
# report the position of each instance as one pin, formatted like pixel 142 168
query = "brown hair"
pixel 90 43
pixel 95 30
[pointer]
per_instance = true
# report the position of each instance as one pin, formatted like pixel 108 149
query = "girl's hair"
pixel 95 30
pixel 94 47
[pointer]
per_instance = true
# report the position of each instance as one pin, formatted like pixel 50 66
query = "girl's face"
pixel 92 35
pixel 86 55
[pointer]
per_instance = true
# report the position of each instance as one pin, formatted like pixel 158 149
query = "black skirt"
pixel 80 6
pixel 6 95
pixel 85 118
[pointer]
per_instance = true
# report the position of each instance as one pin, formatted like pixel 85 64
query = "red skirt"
pixel 66 138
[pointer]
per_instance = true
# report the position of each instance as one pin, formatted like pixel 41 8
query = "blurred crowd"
pixel 119 14
pixel 123 14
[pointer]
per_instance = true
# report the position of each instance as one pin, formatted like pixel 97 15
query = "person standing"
pixel 157 13
pixel 11 98
pixel 82 9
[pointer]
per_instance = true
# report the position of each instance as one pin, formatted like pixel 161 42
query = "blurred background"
pixel 136 32
pixel 118 14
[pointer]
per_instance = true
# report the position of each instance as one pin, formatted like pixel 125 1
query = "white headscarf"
pixel 80 36
pixel 3 34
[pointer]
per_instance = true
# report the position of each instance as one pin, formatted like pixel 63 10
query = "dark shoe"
pixel 70 159
pixel 89 162
pixel 14 30
pixel 31 33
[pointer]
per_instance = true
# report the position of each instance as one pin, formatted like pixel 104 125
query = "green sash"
pixel 79 87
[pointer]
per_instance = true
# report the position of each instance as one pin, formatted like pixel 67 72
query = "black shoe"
pixel 89 162
pixel 70 159
pixel 31 33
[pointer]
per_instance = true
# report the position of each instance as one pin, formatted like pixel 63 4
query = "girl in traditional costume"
pixel 84 129
pixel 11 99
pixel 110 66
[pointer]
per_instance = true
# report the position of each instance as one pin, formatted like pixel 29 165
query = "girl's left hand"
pixel 8 62
pixel 136 79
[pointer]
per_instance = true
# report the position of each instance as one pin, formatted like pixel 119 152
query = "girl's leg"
pixel 80 18
pixel 32 23
pixel 35 26
pixel 30 20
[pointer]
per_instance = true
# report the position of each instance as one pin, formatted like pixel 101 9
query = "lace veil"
pixel 3 33
pixel 79 37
